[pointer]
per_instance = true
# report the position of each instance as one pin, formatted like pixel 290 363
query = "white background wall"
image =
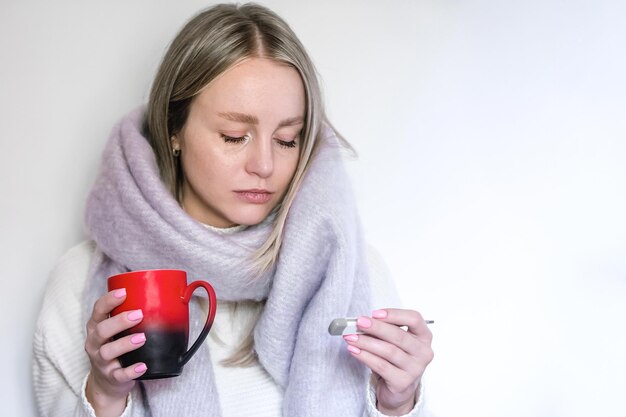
pixel 491 176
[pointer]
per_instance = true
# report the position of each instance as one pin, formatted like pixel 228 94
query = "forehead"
pixel 257 86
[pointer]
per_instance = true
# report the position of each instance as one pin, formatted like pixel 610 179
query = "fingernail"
pixel 135 315
pixel 138 338
pixel 140 368
pixel 354 349
pixel 351 337
pixel 364 322
pixel 379 314
pixel 119 293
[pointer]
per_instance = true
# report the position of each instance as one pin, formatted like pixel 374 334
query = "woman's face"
pixel 240 143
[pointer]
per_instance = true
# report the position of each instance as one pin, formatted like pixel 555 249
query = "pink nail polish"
pixel 119 293
pixel 364 322
pixel 135 315
pixel 140 368
pixel 354 349
pixel 138 338
pixel 379 314
pixel 351 337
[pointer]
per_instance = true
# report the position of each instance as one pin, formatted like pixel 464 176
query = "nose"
pixel 261 158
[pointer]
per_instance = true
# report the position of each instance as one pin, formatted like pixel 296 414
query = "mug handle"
pixel 209 320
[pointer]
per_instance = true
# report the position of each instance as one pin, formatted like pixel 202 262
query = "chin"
pixel 250 217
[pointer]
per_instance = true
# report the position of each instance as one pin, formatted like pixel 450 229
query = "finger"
pixel 414 364
pixel 108 328
pixel 396 379
pixel 400 317
pixel 105 304
pixel 392 334
pixel 117 348
pixel 122 375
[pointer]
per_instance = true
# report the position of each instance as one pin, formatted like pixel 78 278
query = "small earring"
pixel 176 152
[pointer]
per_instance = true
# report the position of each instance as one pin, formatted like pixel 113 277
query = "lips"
pixel 255 196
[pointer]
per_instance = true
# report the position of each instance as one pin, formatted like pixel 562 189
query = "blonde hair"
pixel 209 44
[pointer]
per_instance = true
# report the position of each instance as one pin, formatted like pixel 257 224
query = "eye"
pixel 232 139
pixel 287 143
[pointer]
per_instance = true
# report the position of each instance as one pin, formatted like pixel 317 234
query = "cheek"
pixel 288 170
pixel 202 168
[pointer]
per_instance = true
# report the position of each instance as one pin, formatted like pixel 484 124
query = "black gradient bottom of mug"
pixel 162 353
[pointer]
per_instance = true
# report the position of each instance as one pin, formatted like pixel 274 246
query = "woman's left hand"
pixel 396 357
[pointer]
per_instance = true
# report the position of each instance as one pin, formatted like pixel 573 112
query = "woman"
pixel 233 174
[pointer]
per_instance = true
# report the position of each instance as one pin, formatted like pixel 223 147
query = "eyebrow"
pixel 250 119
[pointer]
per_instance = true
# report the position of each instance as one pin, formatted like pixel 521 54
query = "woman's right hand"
pixel 108 384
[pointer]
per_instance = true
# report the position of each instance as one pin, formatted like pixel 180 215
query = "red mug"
pixel 163 296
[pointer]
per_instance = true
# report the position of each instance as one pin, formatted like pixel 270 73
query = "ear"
pixel 175 142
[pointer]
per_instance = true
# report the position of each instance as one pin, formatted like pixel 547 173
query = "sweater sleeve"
pixel 385 295
pixel 60 364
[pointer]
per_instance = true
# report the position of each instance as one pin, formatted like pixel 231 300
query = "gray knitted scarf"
pixel 320 275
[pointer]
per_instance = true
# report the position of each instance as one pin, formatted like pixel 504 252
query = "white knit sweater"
pixel 60 365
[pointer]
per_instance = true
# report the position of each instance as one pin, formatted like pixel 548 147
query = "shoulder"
pixel 59 361
pixel 64 290
pixel 382 287
pixel 61 310
pixel 59 333
pixel 67 280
